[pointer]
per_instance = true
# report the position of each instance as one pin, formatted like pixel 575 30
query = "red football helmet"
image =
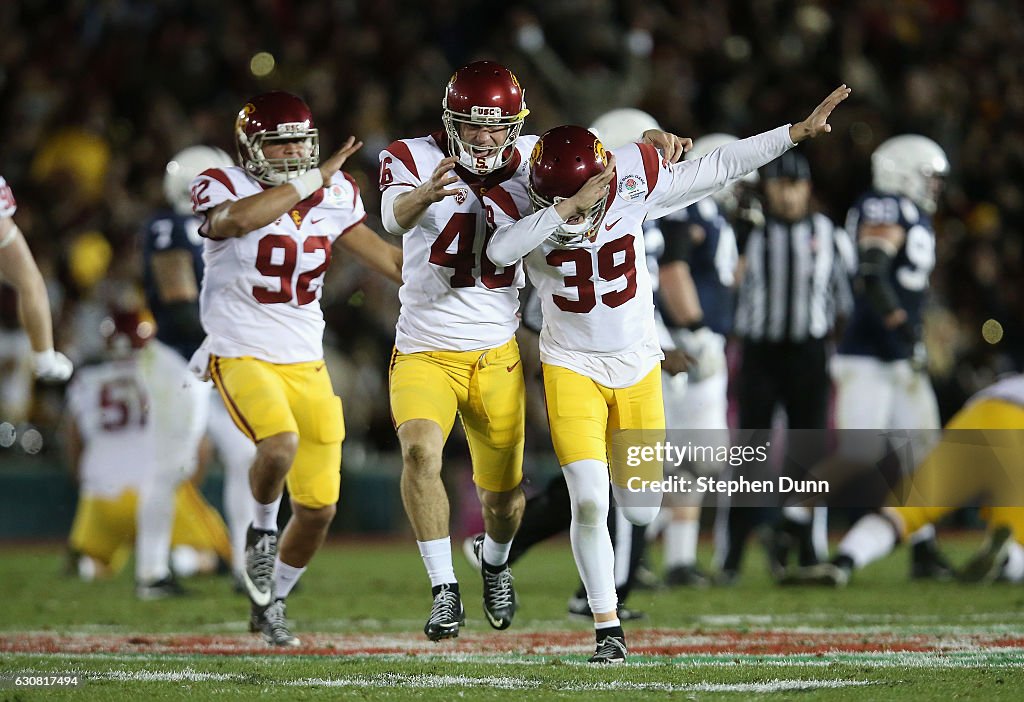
pixel 483 94
pixel 126 331
pixel 563 159
pixel 275 116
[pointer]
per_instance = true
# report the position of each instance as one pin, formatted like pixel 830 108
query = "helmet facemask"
pixel 572 235
pixel 477 159
pixel 274 171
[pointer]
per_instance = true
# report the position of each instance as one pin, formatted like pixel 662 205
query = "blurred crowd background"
pixel 97 95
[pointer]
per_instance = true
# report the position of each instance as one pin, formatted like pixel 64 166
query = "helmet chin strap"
pixel 492 162
pixel 582 228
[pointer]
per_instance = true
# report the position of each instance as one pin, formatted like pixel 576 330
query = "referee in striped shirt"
pixel 795 284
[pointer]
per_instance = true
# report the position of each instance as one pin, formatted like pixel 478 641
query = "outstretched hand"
pixel 671 146
pixel 817 122
pixel 435 189
pixel 332 165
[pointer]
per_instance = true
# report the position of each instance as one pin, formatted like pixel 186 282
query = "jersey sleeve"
pixel 210 188
pixel 7 204
pixel 515 236
pixel 345 191
pixel 398 174
pixel 398 170
pixel 681 184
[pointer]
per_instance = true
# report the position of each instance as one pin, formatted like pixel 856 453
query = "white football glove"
pixel 706 347
pixel 52 366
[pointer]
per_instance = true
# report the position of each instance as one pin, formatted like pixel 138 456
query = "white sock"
pixel 799 515
pixel 185 561
pixel 871 538
pixel 925 533
pixel 588 532
pixel 1014 568
pixel 608 624
pixel 265 516
pixel 494 552
pixel 285 577
pixel 681 542
pixel 154 523
pixel 622 546
pixel 437 557
pixel 237 513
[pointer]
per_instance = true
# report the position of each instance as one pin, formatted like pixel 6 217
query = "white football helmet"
pixel 623 126
pixel 182 169
pixel 910 165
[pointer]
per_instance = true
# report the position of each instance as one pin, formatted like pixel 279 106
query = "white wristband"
pixel 307 183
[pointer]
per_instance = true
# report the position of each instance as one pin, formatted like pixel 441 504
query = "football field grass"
pixel 361 608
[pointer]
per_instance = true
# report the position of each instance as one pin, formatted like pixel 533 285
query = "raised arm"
pixel 689 181
pixel 239 217
pixel 19 269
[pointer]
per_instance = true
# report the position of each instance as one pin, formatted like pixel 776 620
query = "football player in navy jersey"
pixel 172 271
pixel 878 370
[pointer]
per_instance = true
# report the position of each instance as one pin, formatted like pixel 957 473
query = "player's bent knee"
pixel 422 442
pixel 278 451
pixel 640 515
pixel 591 512
pixel 503 505
pixel 315 517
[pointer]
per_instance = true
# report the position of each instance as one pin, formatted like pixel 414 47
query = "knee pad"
pixel 640 508
pixel 587 480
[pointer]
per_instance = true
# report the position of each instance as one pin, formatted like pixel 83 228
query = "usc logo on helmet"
pixel 538 151
pixel 515 81
pixel 599 150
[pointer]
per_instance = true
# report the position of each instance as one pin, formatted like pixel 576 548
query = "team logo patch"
pixel 460 197
pixel 632 188
pixel 336 196
pixel 537 153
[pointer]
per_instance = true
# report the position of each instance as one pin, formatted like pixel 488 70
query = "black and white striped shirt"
pixel 796 282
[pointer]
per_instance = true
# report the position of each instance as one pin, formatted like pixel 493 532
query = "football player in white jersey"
pixel 111 438
pixel 18 268
pixel 577 219
pixel 455 351
pixel 270 225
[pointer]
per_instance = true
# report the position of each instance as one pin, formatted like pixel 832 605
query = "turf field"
pixel 361 608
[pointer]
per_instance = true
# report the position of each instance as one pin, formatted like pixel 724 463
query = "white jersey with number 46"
pixel 596 295
pixel 261 292
pixel 453 298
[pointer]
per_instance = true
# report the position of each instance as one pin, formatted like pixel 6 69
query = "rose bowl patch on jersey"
pixel 632 187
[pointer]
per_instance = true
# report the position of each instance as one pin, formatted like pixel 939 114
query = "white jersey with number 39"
pixel 261 292
pixel 453 298
pixel 596 295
